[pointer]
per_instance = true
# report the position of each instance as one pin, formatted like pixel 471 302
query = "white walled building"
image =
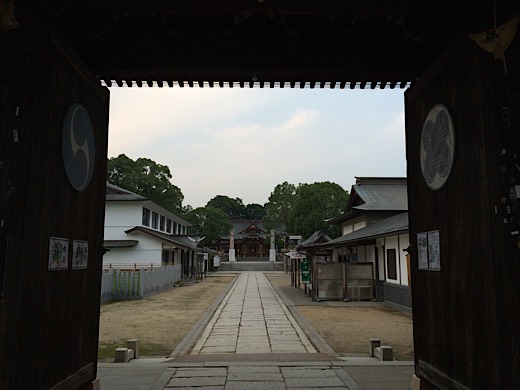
pixel 140 232
pixel 375 229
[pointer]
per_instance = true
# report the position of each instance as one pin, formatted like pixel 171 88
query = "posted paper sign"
pixel 80 254
pixel 58 253
pixel 429 251
pixel 434 251
pixel 422 250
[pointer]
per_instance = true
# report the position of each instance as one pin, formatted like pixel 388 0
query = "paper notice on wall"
pixel 80 254
pixel 422 250
pixel 429 251
pixel 434 251
pixel 58 253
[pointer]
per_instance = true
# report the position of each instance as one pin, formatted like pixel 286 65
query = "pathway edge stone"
pixel 193 335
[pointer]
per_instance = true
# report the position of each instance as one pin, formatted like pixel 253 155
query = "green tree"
pixel 315 203
pixel 234 208
pixel 254 211
pixel 146 178
pixel 279 205
pixel 210 222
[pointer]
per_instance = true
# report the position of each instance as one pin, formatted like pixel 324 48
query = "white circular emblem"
pixel 78 147
pixel 437 147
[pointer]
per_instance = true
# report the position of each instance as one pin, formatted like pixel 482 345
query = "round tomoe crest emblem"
pixel 437 147
pixel 78 147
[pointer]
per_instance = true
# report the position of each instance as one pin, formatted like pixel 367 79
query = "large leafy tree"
pixel 279 206
pixel 210 222
pixel 254 211
pixel 146 178
pixel 315 203
pixel 234 208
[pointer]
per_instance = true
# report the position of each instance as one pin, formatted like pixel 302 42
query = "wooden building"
pixel 250 240
pixel 459 60
pixel 374 228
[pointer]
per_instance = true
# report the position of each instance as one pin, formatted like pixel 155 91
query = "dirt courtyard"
pixel 161 321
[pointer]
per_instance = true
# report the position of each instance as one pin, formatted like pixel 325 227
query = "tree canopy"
pixel 254 211
pixel 315 203
pixel 146 178
pixel 210 222
pixel 234 208
pixel 279 206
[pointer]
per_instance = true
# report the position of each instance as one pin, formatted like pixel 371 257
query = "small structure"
pixel 318 237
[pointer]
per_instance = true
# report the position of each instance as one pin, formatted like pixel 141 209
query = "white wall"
pixel 397 242
pixel 381 259
pixel 404 242
pixel 360 225
pixel 347 229
pixel 353 224
pixel 147 251
pixel 125 215
pixel 392 242
pixel 121 216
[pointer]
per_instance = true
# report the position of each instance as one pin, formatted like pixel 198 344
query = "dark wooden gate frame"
pixel 290 59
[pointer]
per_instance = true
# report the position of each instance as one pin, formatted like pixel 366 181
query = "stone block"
pixel 384 353
pixel 133 344
pixel 420 384
pixel 373 343
pixel 95 384
pixel 123 355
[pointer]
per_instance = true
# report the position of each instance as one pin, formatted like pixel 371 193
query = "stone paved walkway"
pixel 253 342
pixel 252 319
pixel 258 377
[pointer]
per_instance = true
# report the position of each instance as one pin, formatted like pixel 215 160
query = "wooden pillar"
pixel 465 264
pixel 53 150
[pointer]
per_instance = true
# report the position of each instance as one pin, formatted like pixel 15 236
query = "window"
pixel 155 218
pixel 391 262
pixel 146 217
pixel 165 257
pixel 168 225
pixel 175 228
pixel 161 223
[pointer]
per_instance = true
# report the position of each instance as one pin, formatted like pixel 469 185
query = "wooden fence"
pixel 137 283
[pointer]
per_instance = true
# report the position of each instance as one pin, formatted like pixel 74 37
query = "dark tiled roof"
pixel 383 227
pixel 180 240
pixel 316 237
pixel 240 228
pixel 119 243
pixel 114 192
pixel 377 197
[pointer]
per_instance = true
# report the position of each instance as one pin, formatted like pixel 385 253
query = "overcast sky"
pixel 243 142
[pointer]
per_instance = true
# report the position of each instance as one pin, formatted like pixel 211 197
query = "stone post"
pixel 272 251
pixel 232 257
